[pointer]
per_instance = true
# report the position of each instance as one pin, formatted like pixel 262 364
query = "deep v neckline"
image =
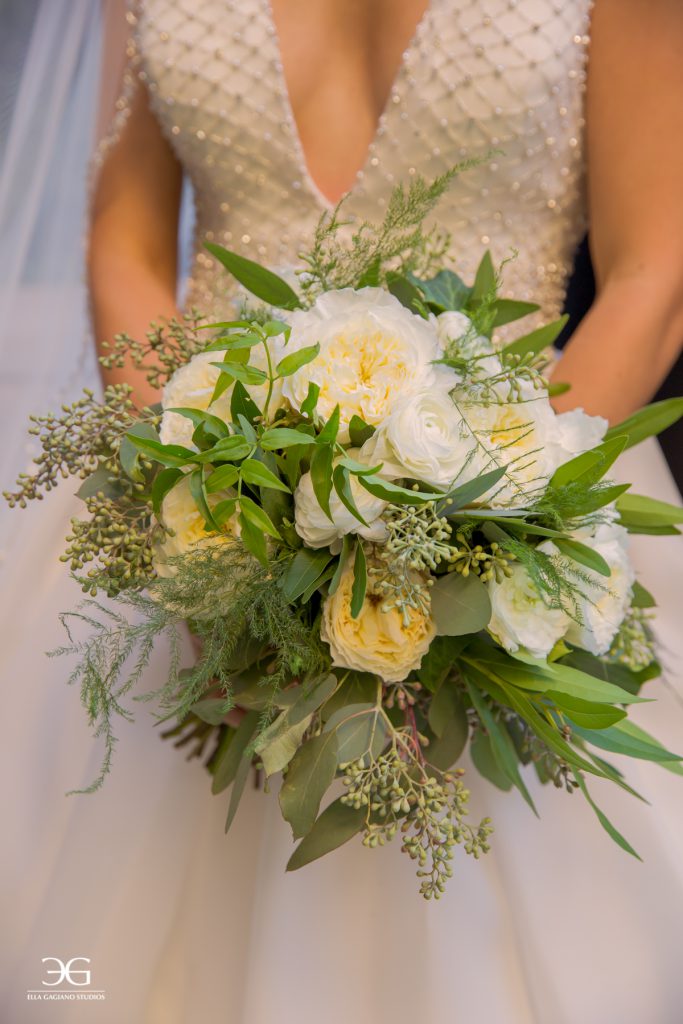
pixel 380 127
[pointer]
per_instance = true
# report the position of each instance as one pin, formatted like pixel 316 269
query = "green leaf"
pixel 590 466
pixel 310 698
pixel 446 290
pixel 465 494
pixel 343 556
pixel 508 310
pixel 257 517
pixel 445 705
pixel 321 476
pixel 342 484
pixel 586 713
pixel 277 438
pixel 245 374
pixel 212 710
pixel 295 360
pixel 253 539
pixel 317 584
pixel 310 402
pixel 359 431
pixel 604 820
pixel 328 435
pixel 222 478
pixel 254 472
pixel 370 276
pixel 623 739
pixel 309 776
pixel 212 424
pixel 460 605
pixel 164 482
pixel 359 468
pixel 483 759
pixel 502 747
pixel 639 510
pixel 129 454
pixel 335 826
pixel 238 785
pixel 198 492
pixel 394 493
pixel 558 387
pixel 536 341
pixel 653 419
pixel 102 481
pixel 439 660
pixel 403 289
pixel 355 688
pixel 360 729
pixel 642 598
pixel 305 568
pixel 166 454
pixel 540 676
pixel 230 449
pixel 444 751
pixel 224 510
pixel 242 404
pixel 599 497
pixel 584 555
pixel 484 281
pixel 262 283
pixel 230 755
pixel 360 581
pixel 279 742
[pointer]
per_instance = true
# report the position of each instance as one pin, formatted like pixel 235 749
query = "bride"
pixel 274 110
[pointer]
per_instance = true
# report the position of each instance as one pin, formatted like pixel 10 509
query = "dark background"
pixel 580 295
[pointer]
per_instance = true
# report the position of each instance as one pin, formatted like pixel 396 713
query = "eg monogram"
pixel 66 973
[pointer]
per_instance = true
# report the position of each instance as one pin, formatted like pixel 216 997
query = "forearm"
pixel 127 296
pixel 623 349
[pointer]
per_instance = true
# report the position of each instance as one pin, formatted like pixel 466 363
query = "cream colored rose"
pixel 424 438
pixel 377 641
pixel 520 617
pixel 317 531
pixel 192 386
pixel 372 352
pixel 606 600
pixel 180 514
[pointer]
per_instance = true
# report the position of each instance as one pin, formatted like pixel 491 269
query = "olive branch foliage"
pixel 252 594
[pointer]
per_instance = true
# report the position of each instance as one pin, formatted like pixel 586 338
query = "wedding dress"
pixel 181 924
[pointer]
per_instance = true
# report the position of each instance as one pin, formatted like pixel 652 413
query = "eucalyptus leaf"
pixel 446 290
pixel 460 605
pixel 237 790
pixel 360 581
pixel 336 825
pixel 279 742
pixel 604 820
pixel 129 453
pixel 230 754
pixel 360 729
pixel 445 705
pixel 309 776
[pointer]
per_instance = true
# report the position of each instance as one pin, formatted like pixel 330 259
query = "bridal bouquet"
pixel 388 545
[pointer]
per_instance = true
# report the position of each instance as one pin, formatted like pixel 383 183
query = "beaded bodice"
pixel 481 75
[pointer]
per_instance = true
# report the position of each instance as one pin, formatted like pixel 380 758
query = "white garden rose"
pixel 454 329
pixel 180 514
pixel 424 437
pixel 372 352
pixel 606 601
pixel 576 432
pixel 520 617
pixel 518 435
pixel 317 531
pixel 376 641
pixel 192 386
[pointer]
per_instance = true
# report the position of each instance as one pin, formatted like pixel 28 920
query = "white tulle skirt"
pixel 184 925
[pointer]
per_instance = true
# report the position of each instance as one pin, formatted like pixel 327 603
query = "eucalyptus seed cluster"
pixel 418 541
pixel 73 443
pixel 119 535
pixel 428 810
pixel 489 562
pixel 634 645
pixel 510 383
pixel 166 348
